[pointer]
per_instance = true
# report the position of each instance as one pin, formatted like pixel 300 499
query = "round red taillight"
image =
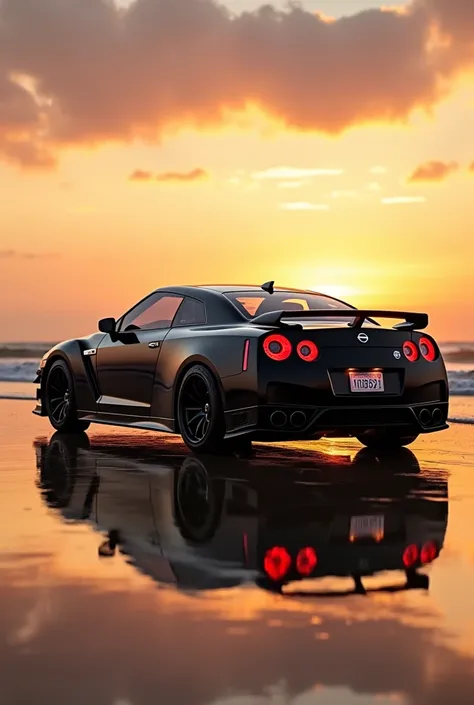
pixel 410 555
pixel 276 563
pixel 410 351
pixel 428 552
pixel 306 561
pixel 427 349
pixel 307 350
pixel 277 347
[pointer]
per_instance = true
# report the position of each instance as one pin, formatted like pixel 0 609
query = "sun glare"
pixel 339 291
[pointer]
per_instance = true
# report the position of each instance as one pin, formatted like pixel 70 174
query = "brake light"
pixel 306 561
pixel 410 555
pixel 245 361
pixel 428 552
pixel 277 562
pixel 410 351
pixel 427 349
pixel 307 350
pixel 277 347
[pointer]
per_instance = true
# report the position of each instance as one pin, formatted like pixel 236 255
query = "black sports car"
pixel 216 363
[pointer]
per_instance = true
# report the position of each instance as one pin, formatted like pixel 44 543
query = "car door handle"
pixel 155 344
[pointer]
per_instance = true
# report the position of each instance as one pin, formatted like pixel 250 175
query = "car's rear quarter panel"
pixel 220 349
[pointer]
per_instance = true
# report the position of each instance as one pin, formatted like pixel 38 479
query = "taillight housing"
pixel 410 555
pixel 307 350
pixel 277 562
pixel 277 347
pixel 306 561
pixel 428 349
pixel 410 351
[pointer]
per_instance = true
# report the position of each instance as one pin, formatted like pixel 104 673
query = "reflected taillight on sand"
pixel 277 562
pixel 410 555
pixel 306 561
pixel 428 552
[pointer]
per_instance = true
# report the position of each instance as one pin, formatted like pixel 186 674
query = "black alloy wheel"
pixel 199 410
pixel 198 501
pixel 60 401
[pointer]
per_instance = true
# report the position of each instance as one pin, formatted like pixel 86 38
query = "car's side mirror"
pixel 107 325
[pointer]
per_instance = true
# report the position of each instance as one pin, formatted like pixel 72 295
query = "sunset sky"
pixel 327 146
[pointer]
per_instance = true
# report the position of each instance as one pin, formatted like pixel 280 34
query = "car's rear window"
pixel 255 303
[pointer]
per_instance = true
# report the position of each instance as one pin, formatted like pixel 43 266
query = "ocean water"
pixel 19 363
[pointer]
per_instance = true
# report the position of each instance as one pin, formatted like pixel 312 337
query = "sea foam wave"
pixel 460 353
pixel 461 382
pixel 462 419
pixel 18 370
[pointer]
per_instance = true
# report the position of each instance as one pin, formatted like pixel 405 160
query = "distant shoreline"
pixel 28 351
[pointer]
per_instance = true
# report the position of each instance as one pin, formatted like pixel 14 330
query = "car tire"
pixel 392 461
pixel 198 501
pixel 386 439
pixel 58 468
pixel 200 411
pixel 60 399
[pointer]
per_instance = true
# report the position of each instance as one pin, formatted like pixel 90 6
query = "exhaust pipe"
pixel 425 417
pixel 437 417
pixel 298 419
pixel 278 419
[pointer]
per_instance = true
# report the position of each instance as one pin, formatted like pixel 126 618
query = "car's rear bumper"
pixel 292 421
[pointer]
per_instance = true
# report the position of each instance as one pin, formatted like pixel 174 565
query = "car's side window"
pixel 190 313
pixel 156 311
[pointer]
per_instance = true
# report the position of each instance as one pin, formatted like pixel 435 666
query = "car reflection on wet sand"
pixel 283 520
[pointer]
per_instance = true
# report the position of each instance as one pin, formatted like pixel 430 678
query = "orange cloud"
pixel 15 254
pixel 136 73
pixel 471 167
pixel 433 171
pixel 177 176
pixel 170 176
pixel 140 175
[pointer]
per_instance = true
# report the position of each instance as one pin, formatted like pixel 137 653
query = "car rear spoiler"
pixel 412 321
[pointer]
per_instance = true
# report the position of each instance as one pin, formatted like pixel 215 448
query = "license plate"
pixel 366 381
pixel 367 526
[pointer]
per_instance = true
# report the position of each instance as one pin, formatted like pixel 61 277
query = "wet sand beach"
pixel 132 572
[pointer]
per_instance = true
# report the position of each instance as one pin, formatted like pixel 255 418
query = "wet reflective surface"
pixel 132 572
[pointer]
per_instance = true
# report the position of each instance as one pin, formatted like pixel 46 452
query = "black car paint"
pixel 126 382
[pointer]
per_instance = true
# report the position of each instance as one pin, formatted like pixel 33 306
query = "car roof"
pixel 227 288
pixel 232 288
pixel 221 310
